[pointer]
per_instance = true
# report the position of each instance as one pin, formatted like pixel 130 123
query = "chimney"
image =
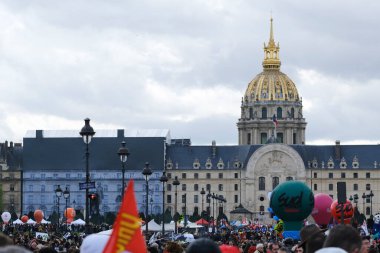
pixel 337 150
pixel 39 134
pixel 213 149
pixel 120 133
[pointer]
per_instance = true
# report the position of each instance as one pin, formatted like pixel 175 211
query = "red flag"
pixel 126 235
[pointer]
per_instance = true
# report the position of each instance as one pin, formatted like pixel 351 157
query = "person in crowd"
pixel 259 248
pixel 365 244
pixel 273 247
pixel 312 238
pixel 203 245
pixel 342 238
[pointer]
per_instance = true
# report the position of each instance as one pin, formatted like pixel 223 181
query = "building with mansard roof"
pixel 271 149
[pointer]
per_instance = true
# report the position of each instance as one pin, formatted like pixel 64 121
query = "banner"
pixel 126 235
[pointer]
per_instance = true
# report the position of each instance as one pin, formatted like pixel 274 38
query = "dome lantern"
pixel 271 52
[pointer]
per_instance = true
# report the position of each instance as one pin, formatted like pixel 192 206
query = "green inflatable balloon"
pixel 292 201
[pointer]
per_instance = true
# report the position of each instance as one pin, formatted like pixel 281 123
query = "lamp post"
pixel 123 154
pixel 209 206
pixel 370 195
pixel 58 193
pixel 146 172
pixel 66 195
pixel 203 194
pixel 364 197
pixel 213 212
pixel 185 222
pixel 175 183
pixel 87 133
pixel 163 180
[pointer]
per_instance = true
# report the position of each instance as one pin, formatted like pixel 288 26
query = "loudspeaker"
pixel 341 186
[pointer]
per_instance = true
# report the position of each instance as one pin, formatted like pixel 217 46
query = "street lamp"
pixel 175 183
pixel 364 197
pixel 58 194
pixel 66 195
pixel 146 172
pixel 202 193
pixel 87 133
pixel 163 180
pixel 370 195
pixel 123 154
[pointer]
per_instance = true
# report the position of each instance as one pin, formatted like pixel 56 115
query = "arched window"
pixel 261 183
pixel 250 113
pixel 275 182
pixel 292 113
pixel 264 113
pixel 289 178
pixel 279 113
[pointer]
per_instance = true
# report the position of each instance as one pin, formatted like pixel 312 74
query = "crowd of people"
pixel 339 239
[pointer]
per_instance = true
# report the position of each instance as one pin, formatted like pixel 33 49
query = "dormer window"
pixel 208 164
pixel 343 163
pixel 355 163
pixel 220 164
pixel 330 163
pixel 196 164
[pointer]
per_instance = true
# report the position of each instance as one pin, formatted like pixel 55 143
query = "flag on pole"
pixel 275 122
pixel 126 235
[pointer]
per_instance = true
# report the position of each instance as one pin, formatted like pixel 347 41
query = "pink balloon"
pixel 321 212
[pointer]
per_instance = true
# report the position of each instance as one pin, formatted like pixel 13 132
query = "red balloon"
pixel 24 218
pixel 348 211
pixel 70 214
pixel 322 212
pixel 38 216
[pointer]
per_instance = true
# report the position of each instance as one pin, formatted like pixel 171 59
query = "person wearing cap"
pixel 312 238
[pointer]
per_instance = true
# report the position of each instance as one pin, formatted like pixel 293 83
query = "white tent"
pixel 18 221
pixel 169 226
pixel 78 222
pixel 45 221
pixel 31 221
pixel 193 225
pixel 152 226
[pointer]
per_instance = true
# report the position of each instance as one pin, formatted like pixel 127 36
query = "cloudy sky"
pixel 184 65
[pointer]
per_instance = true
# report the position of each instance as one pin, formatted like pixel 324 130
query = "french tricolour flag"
pixel 275 122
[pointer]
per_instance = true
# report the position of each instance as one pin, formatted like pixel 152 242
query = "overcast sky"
pixel 184 65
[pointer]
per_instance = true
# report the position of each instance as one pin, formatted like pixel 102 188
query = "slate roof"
pixel 55 153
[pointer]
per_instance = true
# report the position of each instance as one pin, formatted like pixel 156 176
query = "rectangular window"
pixel 12 187
pixel 331 187
pixel 169 175
pixel 249 139
pixel 356 188
pixel 208 187
pixel 368 187
pixel 315 187
pixel 183 175
pixel 263 137
pixel 368 175
pixel 183 187
pixel 331 175
pixel 236 199
pixel 280 137
pixel 343 175
pixel 220 175
pixel 261 183
pixel 169 199
pixel 236 187
pixel 196 187
pixel 195 198
pixel 236 175
pixel 220 187
pixel 184 198
pixel 355 175
pixel 196 175
pixel 208 175
pixel 43 188
pixel 275 182
pixel 315 175
pixel 168 187
pixel 294 138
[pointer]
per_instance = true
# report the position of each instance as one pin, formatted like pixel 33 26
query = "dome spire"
pixel 271 39
pixel 271 52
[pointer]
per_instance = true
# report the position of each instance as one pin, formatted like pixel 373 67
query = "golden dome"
pixel 271 84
